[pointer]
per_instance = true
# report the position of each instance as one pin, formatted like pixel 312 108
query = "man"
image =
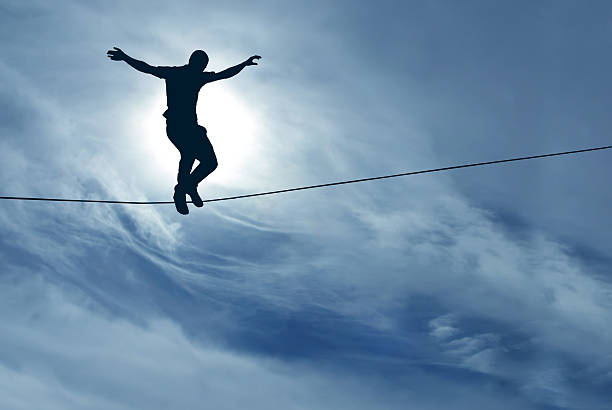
pixel 182 87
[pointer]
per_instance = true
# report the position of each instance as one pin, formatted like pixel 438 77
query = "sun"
pixel 231 127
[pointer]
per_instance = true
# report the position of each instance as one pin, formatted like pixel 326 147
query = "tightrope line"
pixel 352 181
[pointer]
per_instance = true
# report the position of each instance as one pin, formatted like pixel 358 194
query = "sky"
pixel 487 287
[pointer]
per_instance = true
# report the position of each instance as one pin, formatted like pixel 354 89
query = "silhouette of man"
pixel 182 87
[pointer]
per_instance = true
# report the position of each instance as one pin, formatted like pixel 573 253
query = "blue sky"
pixel 488 287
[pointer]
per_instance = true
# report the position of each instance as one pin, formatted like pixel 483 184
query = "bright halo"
pixel 231 127
pixel 232 130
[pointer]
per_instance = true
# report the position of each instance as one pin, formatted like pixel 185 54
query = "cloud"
pixel 376 293
pixel 73 356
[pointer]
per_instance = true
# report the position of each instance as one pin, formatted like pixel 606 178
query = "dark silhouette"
pixel 182 87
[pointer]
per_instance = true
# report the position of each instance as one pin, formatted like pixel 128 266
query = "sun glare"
pixel 231 127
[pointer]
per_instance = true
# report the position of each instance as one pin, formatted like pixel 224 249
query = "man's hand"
pixel 251 61
pixel 117 54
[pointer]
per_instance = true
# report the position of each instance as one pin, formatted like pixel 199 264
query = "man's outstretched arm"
pixel 232 71
pixel 118 55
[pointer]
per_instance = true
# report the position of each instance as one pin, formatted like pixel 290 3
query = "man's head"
pixel 198 60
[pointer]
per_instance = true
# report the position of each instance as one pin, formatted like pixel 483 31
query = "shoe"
pixel 179 202
pixel 195 197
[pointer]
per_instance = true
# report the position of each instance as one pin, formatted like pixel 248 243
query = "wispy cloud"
pixel 368 295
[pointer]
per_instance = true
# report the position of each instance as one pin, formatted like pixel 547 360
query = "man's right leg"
pixel 178 134
pixel 184 183
pixel 184 179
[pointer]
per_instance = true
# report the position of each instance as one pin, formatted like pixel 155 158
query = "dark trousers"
pixel 191 141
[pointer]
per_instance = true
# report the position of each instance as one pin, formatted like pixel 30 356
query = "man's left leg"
pixel 205 154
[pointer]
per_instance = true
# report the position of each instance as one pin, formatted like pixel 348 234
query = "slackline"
pixel 477 164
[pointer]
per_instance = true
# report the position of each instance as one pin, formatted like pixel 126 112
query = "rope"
pixel 352 181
